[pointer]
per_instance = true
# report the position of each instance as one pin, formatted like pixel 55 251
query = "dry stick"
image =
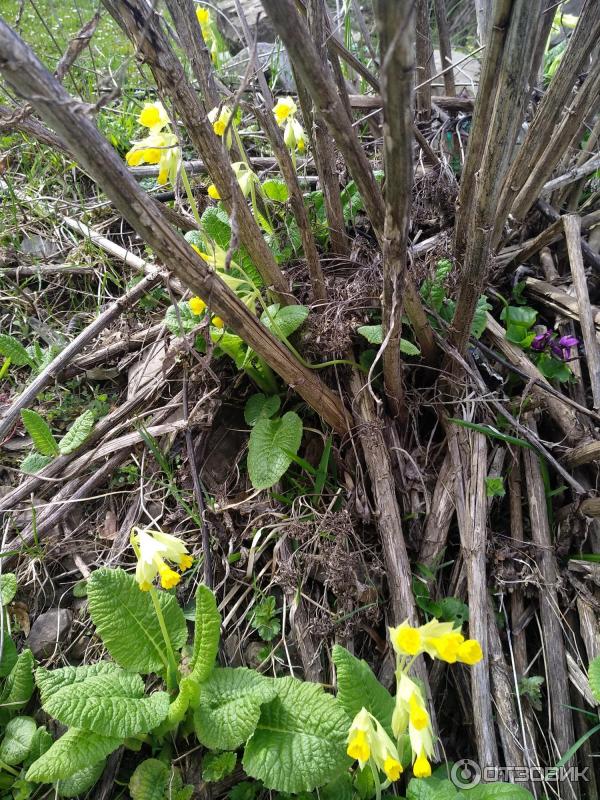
pixel 183 13
pixel 570 196
pixel 441 17
pixel 286 165
pixel 424 56
pixel 558 408
pixel 504 690
pixel 397 31
pixel 437 525
pixel 573 175
pixel 306 60
pixel 10 121
pixel 505 124
pixel 143 26
pixel 584 37
pixel 542 40
pixel 64 358
pixel 324 147
pixel 571 224
pixel 28 77
pixel 589 256
pixel 481 125
pixel 469 450
pixel 583 103
pixel 554 646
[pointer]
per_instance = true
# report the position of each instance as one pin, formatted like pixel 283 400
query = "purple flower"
pixel 562 348
pixel 541 341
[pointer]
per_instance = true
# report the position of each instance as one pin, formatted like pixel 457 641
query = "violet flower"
pixel 541 341
pixel 562 348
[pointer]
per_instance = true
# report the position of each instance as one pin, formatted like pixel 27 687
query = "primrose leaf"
pixel 372 333
pixel 300 739
pixel 126 622
pixel 41 742
pixel 9 656
pixel 271 443
pixel 216 766
pixel 282 322
pixel 480 318
pixel 34 462
pixel 408 348
pixel 358 687
pixel 77 433
pixel 112 705
pixel 38 429
pixel 183 312
pixel 432 788
pixel 206 634
pixel 8 587
pixel 73 752
pixel 13 349
pixel 149 780
pixel 259 405
pixel 18 687
pixel 230 702
pixel 81 782
pixel 594 677
pixel 276 189
pixel 495 791
pixel 17 741
pixel 494 486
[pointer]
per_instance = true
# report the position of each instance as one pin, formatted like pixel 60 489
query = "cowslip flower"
pixel 246 178
pixel 410 714
pixel 437 639
pixel 218 322
pixel 153 549
pixel 368 740
pixel 293 134
pixel 159 147
pixel 220 119
pixel 204 18
pixel 153 116
pixel 196 305
pixel 213 192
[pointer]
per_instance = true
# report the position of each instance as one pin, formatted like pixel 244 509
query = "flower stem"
pixel 172 675
pixel 190 196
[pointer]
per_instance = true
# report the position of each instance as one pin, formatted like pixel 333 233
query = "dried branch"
pixel 441 16
pixel 424 56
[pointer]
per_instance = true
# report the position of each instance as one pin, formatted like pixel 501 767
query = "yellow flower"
pixel 421 767
pixel 294 135
pixel 358 746
pixel 470 652
pixel 161 148
pixel 213 192
pixel 197 305
pixel 406 640
pixel 284 108
pixel 203 15
pixel 392 768
pixel 153 116
pixel 153 549
pixel 367 740
pixel 220 119
pixel 218 322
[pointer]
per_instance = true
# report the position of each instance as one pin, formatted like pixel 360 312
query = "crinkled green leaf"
pixel 216 766
pixel 229 709
pixel 81 782
pixel 259 405
pixel 408 348
pixel 8 587
pixel 496 791
pixel 18 687
pixel 216 224
pixel 77 433
pixel 13 349
pixel 35 462
pixel 594 677
pixel 300 739
pixel 74 751
pixel 149 780
pixel 50 681
pixel 40 433
pixel 126 621
pixel 17 741
pixel 9 656
pixel 480 318
pixel 231 345
pixel 372 333
pixel 207 633
pixel 339 789
pixel 433 788
pixel 283 321
pixel 183 313
pixel 358 687
pixel 271 443
pixel 276 189
pixel 41 742
pixel 113 705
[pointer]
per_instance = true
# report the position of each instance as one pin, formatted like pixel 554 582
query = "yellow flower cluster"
pixel 205 21
pixel 220 119
pixel 367 739
pixel 153 549
pixel 159 147
pixel 293 134
pixel 198 306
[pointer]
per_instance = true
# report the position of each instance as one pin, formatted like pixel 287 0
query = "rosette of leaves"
pixel 46 446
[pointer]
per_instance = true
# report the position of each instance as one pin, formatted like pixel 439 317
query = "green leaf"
pixel 17 741
pixel 300 740
pixel 216 766
pixel 358 687
pixel 184 313
pixel 74 751
pixel 431 789
pixel 259 405
pixel 496 791
pixel 8 587
pixel 35 462
pixel 372 333
pixel 231 345
pixel 77 433
pixel 82 781
pixel 594 677
pixel 229 709
pixel 215 222
pixel 553 369
pixel 282 322
pixel 207 633
pixel 38 429
pixel 113 705
pixel 494 486
pixel 13 349
pixel 339 789
pixel 454 610
pixel 18 687
pixel 126 622
pixel 271 443
pixel 408 348
pixel 519 315
pixel 149 780
pixel 9 656
pixel 41 742
pixel 480 318
pixel 276 189
pixel 51 681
